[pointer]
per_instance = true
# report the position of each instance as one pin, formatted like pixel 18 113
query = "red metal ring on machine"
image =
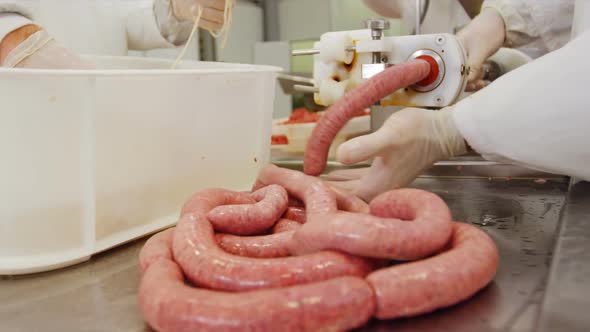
pixel 437 70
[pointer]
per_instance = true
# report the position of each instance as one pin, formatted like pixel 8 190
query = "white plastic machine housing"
pixel 335 74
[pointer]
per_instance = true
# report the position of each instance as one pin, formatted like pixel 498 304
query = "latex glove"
pixel 41 51
pixel 408 143
pixel 481 38
pixel 212 17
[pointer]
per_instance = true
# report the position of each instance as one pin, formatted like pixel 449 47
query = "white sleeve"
pixel 536 116
pixel 528 21
pixel 387 8
pixel 155 27
pixel 400 9
pixel 12 17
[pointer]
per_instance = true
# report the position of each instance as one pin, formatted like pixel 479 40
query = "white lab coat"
pixel 536 116
pixel 101 27
pixel 536 27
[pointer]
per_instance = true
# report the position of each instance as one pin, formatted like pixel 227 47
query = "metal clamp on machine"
pixel 344 59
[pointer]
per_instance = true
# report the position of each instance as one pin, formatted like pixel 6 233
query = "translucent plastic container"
pixel 93 159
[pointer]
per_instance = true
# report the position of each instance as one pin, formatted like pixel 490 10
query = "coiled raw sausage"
pixel 455 275
pixel 246 219
pixel 261 246
pixel 285 225
pixel 405 224
pixel 156 247
pixel 317 196
pixel 321 289
pixel 205 264
pixel 168 304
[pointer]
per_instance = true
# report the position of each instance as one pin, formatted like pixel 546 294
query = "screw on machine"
pixel 377 26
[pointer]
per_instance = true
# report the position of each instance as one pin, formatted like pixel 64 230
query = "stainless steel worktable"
pixel 532 290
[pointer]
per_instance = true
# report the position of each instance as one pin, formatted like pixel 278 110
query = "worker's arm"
pixel 15 26
pixel 481 38
pixel 14 38
pixel 536 116
pixel 528 20
pixel 152 27
pixel 168 23
pixel 24 44
pixel 387 8
pixel 514 23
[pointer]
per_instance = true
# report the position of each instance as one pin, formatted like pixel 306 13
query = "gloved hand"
pixel 212 17
pixel 481 38
pixel 409 142
pixel 41 51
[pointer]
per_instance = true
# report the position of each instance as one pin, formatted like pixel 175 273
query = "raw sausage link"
pixel 222 196
pixel 419 287
pixel 320 290
pixel 262 246
pixel 156 247
pixel 169 304
pixel 205 264
pixel 355 101
pixel 406 224
pixel 248 219
pixel 296 214
pixel 315 193
pixel 285 225
pixel 348 201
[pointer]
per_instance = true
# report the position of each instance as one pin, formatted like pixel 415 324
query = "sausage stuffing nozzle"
pixel 345 59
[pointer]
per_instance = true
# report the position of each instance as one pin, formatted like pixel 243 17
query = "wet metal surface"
pixel 98 295
pixel 521 216
pixel 460 167
pixel 567 300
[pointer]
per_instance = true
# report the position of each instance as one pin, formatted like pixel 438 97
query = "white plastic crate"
pixel 92 159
